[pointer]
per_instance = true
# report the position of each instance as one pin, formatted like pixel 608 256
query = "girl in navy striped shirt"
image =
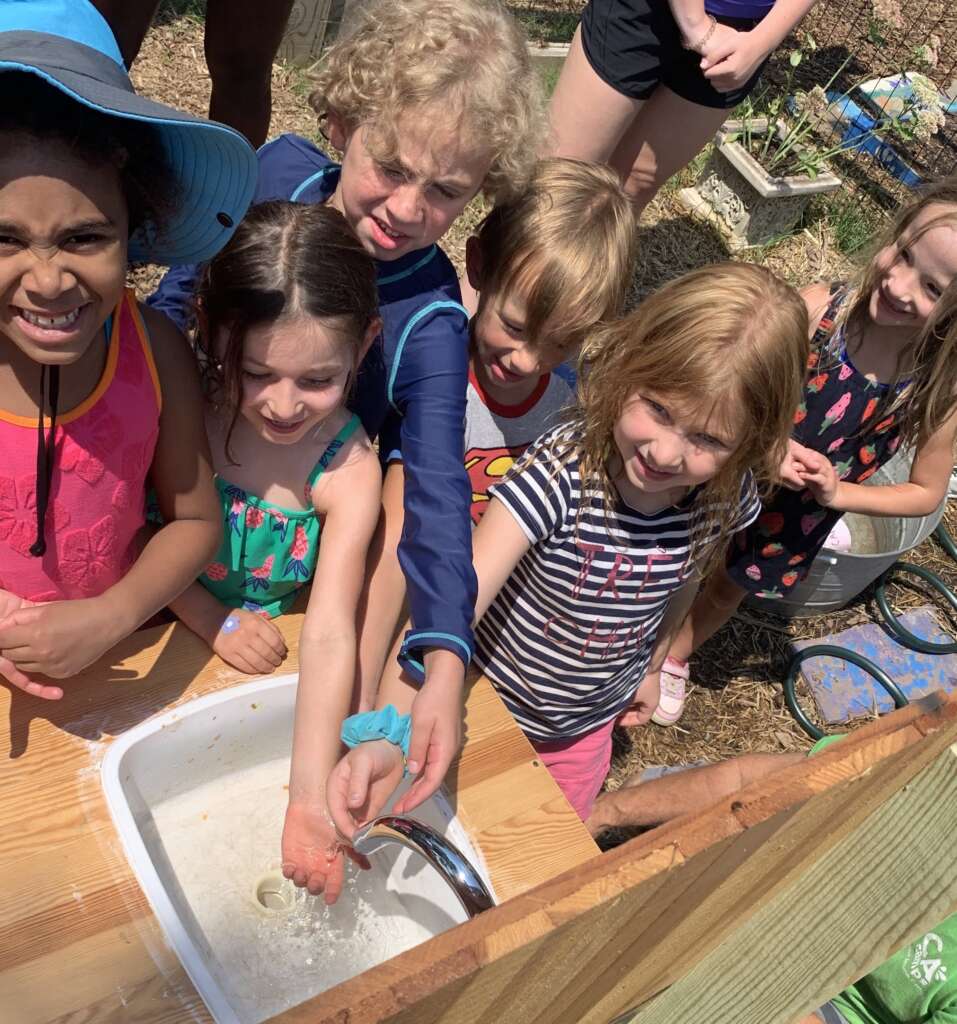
pixel 593 546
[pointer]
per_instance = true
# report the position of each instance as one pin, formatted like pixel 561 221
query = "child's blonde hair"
pixel 567 243
pixel 730 338
pixel 928 365
pixel 467 59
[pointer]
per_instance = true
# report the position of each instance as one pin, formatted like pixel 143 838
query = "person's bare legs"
pixel 381 603
pixel 638 804
pixel 666 134
pixel 130 21
pixel 645 141
pixel 588 117
pixel 242 37
pixel 717 601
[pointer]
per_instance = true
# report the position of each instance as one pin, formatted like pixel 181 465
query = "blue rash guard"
pixel 410 392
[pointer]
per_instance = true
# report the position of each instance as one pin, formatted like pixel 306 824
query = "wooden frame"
pixel 755 911
pixel 312 25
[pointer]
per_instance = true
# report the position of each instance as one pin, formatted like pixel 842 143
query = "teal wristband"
pixel 384 724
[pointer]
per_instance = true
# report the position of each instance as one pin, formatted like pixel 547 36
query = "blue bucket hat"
pixel 68 44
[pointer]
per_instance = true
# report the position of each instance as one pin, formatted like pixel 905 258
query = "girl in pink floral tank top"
pixel 103 450
pixel 97 394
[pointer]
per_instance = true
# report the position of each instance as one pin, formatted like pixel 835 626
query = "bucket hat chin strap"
pixel 46 450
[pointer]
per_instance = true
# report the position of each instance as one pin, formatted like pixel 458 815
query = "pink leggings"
pixel 579 765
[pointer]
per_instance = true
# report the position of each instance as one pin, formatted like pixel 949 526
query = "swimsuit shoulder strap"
pixel 332 450
pixel 837 295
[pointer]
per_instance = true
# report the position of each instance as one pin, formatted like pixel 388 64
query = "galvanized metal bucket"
pixel 836 577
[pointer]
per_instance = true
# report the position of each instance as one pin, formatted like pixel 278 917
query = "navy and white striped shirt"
pixel 568 638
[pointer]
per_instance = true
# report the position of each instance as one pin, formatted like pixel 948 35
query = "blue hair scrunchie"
pixel 384 724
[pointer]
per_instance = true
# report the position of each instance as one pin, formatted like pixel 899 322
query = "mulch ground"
pixel 736 704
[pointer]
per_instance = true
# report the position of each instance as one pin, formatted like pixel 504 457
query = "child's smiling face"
pixel 63 243
pixel 916 270
pixel 295 373
pixel 406 204
pixel 507 363
pixel 666 449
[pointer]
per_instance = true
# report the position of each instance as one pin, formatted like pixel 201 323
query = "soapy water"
pixel 221 839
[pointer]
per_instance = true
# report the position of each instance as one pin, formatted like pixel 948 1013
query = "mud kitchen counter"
pixel 78 940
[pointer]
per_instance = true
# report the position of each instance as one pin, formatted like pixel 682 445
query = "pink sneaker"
pixel 674 676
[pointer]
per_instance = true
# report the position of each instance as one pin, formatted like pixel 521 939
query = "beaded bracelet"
pixel 697 46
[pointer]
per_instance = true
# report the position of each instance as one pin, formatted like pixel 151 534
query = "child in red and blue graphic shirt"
pixel 548 266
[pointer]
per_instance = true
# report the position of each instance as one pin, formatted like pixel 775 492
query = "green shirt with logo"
pixel 918 985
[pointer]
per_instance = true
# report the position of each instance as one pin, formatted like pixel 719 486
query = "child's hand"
pixel 312 855
pixel 789 472
pixel 815 472
pixel 361 783
pixel 822 482
pixel 249 642
pixel 730 58
pixel 644 702
pixel 58 639
pixel 10 603
pixel 436 738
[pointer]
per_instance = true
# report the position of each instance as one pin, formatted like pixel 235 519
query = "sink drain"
pixel 274 892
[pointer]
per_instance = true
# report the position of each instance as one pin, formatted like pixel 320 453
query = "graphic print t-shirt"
pixel 567 639
pixel 496 434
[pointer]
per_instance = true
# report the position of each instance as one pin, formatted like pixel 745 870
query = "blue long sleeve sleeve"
pixel 427 388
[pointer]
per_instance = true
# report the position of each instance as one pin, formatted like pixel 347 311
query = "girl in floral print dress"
pixel 286 313
pixel 882 372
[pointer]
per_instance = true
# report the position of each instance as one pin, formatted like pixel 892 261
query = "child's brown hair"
pixel 729 338
pixel 285 261
pixel 465 62
pixel 567 244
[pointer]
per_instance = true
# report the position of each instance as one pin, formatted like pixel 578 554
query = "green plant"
pixel 785 141
pixel 548 72
pixel 544 26
pixel 853 222
pixel 169 10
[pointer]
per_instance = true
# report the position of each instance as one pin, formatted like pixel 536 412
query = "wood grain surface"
pixel 739 913
pixel 78 940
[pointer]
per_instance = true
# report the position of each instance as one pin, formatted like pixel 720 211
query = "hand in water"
pixel 312 854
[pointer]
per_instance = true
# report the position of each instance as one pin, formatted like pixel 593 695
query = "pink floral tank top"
pixel 103 452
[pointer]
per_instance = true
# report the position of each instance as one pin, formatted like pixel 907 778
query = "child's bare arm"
pixel 381 603
pixel 645 804
pixel 919 496
pixel 436 709
pixel 348 498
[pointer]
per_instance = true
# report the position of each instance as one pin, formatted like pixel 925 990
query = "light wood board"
pixel 776 867
pixel 78 940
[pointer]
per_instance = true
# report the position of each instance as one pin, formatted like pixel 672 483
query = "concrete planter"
pixel 751 206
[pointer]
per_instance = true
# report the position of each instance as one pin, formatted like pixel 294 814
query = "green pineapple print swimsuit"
pixel 268 553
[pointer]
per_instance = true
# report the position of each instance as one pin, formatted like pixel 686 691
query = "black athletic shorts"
pixel 635 46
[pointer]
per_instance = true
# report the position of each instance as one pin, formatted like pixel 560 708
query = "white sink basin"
pixel 198 795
